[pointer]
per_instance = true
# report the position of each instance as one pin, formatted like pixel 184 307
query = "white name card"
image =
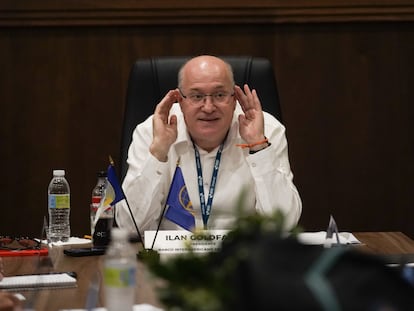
pixel 179 241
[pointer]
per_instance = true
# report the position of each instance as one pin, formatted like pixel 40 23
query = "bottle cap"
pixel 102 174
pixel 119 234
pixel 59 173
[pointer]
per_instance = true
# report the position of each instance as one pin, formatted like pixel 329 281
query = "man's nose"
pixel 208 103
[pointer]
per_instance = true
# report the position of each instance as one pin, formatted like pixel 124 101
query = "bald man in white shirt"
pixel 226 145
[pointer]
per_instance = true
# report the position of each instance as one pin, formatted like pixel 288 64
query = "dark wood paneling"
pixel 348 107
pixel 345 89
pixel 185 12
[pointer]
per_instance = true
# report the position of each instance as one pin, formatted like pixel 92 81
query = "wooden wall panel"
pixel 350 123
pixel 187 12
pixel 344 72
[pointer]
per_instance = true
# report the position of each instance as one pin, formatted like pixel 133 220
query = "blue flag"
pixel 180 209
pixel 114 192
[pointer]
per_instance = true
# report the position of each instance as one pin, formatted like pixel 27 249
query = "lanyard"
pixel 206 209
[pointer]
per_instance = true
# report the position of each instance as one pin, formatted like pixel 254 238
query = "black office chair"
pixel 150 79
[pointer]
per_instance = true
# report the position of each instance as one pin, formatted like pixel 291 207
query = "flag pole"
pixel 111 161
pixel 162 213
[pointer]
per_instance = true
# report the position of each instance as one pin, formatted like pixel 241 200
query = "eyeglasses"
pixel 21 243
pixel 199 98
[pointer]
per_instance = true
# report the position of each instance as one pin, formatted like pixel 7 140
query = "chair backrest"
pixel 150 79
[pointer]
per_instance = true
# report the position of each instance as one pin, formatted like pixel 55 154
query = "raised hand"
pixel 164 126
pixel 251 123
pixel 9 302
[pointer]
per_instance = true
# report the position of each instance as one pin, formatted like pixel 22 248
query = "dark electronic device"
pixel 81 252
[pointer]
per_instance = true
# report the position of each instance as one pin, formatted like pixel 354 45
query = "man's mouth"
pixel 208 119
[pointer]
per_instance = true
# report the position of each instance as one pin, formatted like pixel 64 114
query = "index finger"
pixel 240 96
pixel 164 106
pixel 247 98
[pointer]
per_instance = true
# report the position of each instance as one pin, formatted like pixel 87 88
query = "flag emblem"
pixel 180 209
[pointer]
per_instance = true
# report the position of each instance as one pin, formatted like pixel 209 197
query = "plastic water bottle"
pixel 120 272
pixel 59 207
pixel 97 194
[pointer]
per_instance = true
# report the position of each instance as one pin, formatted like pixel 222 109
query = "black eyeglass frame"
pixel 204 96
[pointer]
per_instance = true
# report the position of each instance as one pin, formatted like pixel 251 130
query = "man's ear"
pixel 180 102
pixel 179 97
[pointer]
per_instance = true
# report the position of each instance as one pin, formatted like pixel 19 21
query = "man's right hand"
pixel 164 127
pixel 1 269
pixel 9 302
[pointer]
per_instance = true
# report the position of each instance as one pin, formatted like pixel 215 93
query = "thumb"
pixel 173 121
pixel 242 118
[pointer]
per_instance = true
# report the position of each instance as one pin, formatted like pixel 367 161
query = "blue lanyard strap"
pixel 206 209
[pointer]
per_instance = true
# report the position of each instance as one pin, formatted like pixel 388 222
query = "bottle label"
pixel 59 201
pixel 96 200
pixel 118 277
pixel 102 232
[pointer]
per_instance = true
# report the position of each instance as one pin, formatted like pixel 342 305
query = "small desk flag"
pixel 180 209
pixel 331 233
pixel 114 192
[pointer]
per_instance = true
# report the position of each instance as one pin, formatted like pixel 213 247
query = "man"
pixel 222 139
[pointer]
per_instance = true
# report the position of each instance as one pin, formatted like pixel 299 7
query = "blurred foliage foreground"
pixel 262 267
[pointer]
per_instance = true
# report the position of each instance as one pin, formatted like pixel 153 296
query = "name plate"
pixel 179 241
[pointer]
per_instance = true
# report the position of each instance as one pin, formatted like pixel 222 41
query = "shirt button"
pixel 253 164
pixel 159 173
pixel 206 184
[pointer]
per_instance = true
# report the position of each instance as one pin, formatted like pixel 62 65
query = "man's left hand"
pixel 251 123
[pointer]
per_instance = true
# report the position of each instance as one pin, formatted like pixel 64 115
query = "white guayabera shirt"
pixel 264 178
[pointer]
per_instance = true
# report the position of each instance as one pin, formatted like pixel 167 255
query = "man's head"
pixel 207 100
